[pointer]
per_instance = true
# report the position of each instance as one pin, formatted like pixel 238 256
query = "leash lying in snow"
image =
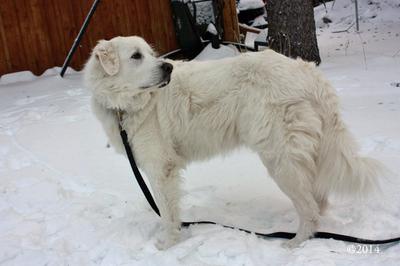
pixel 285 235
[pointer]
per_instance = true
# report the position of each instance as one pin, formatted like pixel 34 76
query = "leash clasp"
pixel 119 117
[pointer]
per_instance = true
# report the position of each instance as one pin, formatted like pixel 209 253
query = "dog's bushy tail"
pixel 340 168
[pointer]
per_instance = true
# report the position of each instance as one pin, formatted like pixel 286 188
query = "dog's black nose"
pixel 167 67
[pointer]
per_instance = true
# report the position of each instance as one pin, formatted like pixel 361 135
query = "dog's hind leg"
pixel 322 202
pixel 291 162
pixel 294 181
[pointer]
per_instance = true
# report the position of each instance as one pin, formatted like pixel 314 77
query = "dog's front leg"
pixel 165 182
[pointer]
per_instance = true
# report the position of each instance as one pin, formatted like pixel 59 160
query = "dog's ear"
pixel 108 57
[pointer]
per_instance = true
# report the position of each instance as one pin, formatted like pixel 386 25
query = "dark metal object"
pixel 192 36
pixel 357 22
pixel 79 37
pixel 187 33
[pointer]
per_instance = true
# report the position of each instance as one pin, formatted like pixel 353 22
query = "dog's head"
pixel 129 60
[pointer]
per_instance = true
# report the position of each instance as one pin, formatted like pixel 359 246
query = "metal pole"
pixel 357 24
pixel 79 37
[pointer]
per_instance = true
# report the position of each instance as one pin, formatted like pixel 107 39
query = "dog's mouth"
pixel 161 84
pixel 165 82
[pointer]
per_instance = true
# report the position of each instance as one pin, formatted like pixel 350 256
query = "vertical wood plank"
pixel 12 33
pixel 231 24
pixel 42 53
pixel 156 20
pixel 54 32
pixel 145 19
pixel 5 62
pixel 168 26
pixel 65 25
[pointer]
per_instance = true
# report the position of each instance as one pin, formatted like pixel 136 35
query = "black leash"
pixel 285 235
pixel 137 174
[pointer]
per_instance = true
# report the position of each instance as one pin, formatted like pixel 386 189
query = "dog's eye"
pixel 136 56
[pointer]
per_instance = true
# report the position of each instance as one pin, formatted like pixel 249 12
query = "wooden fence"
pixel 37 34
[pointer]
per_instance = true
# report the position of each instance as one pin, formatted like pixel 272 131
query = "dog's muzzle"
pixel 167 70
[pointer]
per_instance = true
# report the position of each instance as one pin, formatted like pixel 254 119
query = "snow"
pixel 209 53
pixel 211 29
pixel 371 13
pixel 204 12
pixel 250 4
pixel 22 76
pixel 259 21
pixel 251 37
pixel 66 199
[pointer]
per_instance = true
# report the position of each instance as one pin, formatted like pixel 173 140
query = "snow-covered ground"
pixel 66 199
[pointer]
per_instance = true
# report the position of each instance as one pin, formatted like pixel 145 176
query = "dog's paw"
pixel 167 237
pixel 292 243
pixel 166 242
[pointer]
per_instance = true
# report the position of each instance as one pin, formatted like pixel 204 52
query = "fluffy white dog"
pixel 179 112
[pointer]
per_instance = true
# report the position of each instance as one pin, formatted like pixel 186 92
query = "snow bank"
pixel 23 76
pixel 27 76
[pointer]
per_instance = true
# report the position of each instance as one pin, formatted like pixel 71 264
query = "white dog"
pixel 283 109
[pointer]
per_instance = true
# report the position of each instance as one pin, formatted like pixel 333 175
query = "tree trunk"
pixel 291 29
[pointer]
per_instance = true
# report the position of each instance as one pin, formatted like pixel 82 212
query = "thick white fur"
pixel 283 109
